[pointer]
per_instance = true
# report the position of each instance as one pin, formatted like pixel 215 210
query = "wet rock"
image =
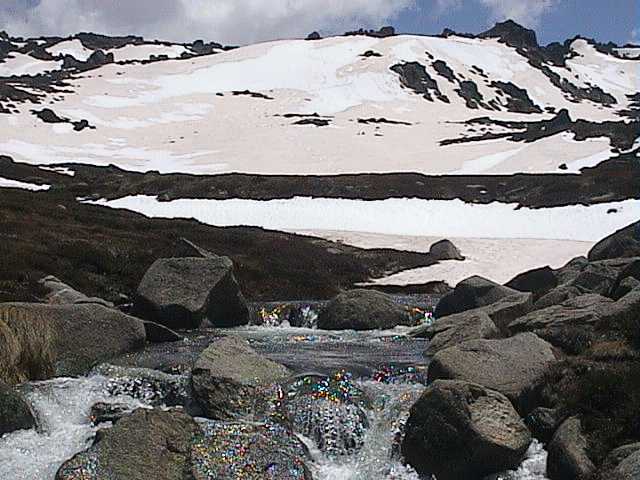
pixel 330 410
pixel 445 250
pixel 149 386
pixel 459 430
pixel 537 281
pixel 623 243
pixel 568 459
pixel 458 328
pixel 146 444
pixel 363 310
pixel 543 423
pixel 180 293
pixel 248 451
pixel 228 375
pixel 15 413
pixel 512 366
pixel 61 340
pixel 472 293
pixel 570 325
pixel 108 412
pixel 157 333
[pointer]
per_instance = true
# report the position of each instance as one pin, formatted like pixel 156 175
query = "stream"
pixel 388 366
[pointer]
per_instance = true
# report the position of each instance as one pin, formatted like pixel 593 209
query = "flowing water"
pixel 387 366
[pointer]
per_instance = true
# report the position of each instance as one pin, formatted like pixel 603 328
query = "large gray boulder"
pixel 595 277
pixel 180 293
pixel 445 250
pixel 458 328
pixel 623 243
pixel 59 293
pixel 623 463
pixel 463 431
pixel 148 444
pixel 570 325
pixel 568 459
pixel 557 296
pixel 629 468
pixel 538 281
pixel 228 375
pixel 512 366
pixel 472 293
pixel 363 310
pixel 15 413
pixel 63 340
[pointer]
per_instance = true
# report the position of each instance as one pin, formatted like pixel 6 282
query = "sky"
pixel 237 22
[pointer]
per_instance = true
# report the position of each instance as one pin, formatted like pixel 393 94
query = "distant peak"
pixel 513 34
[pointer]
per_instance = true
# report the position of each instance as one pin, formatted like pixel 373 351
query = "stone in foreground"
pixel 363 310
pixel 463 431
pixel 180 293
pixel 15 413
pixel 568 459
pixel 227 376
pixel 512 366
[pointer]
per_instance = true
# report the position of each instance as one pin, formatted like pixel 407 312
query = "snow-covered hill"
pixel 335 105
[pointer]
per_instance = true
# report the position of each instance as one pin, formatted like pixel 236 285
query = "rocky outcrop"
pixel 445 250
pixel 228 375
pixel 623 243
pixel 362 310
pixel 46 340
pixel 511 366
pixel 568 459
pixel 15 413
pixel 459 430
pixel 180 293
pixel 537 281
pixel 458 328
pixel 471 293
pixel 570 325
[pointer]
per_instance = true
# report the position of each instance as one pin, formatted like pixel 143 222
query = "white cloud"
pixel 227 21
pixel 526 12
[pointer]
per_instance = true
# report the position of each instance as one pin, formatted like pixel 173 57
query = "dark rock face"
pixel 181 292
pixel 15 413
pixel 543 423
pixel 568 459
pixel 146 444
pixel 314 36
pixel 512 34
pixel 108 412
pixel 362 310
pixel 259 452
pixel 228 375
pixel 623 243
pixel 471 293
pixel 64 339
pixel 459 430
pixel 625 287
pixel 157 333
pixel 511 366
pixel 445 250
pixel 518 99
pixel 537 281
pixel 414 76
pixel 458 328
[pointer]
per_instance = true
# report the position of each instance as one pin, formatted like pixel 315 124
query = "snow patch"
pixel 8 183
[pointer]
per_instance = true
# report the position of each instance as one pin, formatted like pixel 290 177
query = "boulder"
pixel 568 459
pixel 629 468
pixel 472 293
pixel 463 431
pixel 623 243
pixel 63 340
pixel 543 423
pixel 180 293
pixel 625 286
pixel 445 250
pixel 630 271
pixel 537 281
pixel 102 412
pixel 146 444
pixel 157 333
pixel 15 413
pixel 228 375
pixel 557 296
pixel 248 452
pixel 609 469
pixel 452 330
pixel 314 36
pixel 512 366
pixel 571 270
pixel 597 277
pixel 362 310
pixel 570 325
